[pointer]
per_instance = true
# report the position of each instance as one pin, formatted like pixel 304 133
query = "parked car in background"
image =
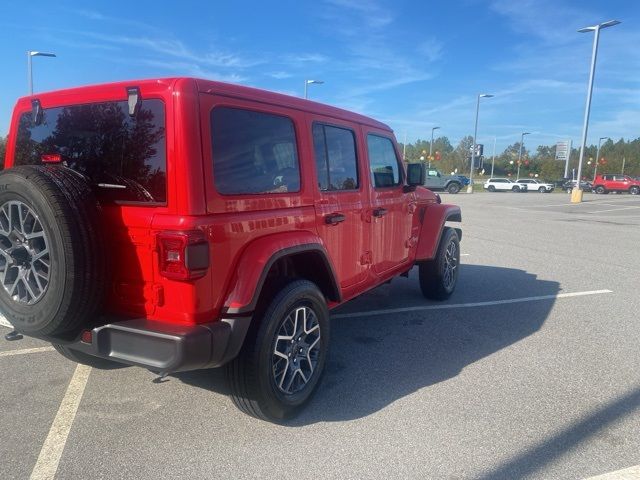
pixel 569 185
pixel 616 183
pixel 504 185
pixel 434 180
pixel 535 185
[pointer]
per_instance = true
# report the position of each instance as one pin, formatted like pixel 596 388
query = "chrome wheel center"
pixel 296 350
pixel 24 253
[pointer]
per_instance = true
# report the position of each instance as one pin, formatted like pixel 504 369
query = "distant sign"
pixel 563 150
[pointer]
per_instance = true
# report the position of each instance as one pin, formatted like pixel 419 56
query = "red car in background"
pixel 616 183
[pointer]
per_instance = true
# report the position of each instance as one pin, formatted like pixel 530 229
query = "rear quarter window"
pixel 253 152
pixel 123 157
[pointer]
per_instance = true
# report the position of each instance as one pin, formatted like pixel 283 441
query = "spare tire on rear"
pixel 53 268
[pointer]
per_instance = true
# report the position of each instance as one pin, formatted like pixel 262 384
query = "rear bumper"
pixel 166 348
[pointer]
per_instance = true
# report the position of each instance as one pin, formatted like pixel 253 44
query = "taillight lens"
pixel 183 255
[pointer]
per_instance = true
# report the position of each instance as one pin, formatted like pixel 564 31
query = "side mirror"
pixel 416 173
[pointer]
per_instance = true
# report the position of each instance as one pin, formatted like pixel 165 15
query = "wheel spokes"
pixel 24 253
pixel 295 353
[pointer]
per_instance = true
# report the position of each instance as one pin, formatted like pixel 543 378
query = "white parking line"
pixel 49 457
pixel 11 353
pixel 631 473
pixel 613 209
pixel 470 305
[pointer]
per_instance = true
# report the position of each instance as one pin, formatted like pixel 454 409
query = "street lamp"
pixel 520 153
pixel 576 194
pixel 310 82
pixel 475 134
pixel 30 55
pixel 431 145
pixel 595 170
pixel 493 157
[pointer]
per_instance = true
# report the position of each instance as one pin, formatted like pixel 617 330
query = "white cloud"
pixel 279 75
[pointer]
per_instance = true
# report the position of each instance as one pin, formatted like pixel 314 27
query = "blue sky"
pixel 412 64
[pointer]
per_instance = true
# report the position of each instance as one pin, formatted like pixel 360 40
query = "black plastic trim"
pixel 311 247
pixel 196 256
pixel 454 217
pixel 167 348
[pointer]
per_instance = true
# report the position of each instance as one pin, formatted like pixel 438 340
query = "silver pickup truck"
pixel 434 180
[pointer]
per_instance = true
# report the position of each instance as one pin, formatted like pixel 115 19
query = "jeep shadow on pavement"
pixel 376 360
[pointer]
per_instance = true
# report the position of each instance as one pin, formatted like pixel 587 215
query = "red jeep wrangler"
pixel 616 183
pixel 180 224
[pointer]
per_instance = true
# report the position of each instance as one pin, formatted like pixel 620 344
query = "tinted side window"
pixel 336 159
pixel 385 171
pixel 253 152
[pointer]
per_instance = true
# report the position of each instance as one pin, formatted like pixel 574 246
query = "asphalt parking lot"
pixel 529 371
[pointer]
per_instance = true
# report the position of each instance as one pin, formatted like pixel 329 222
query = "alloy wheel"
pixel 25 265
pixel 296 350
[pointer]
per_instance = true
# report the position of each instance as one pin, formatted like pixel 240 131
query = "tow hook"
pixel 12 336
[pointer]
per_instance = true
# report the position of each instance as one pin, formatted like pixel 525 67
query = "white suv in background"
pixel 504 185
pixel 535 185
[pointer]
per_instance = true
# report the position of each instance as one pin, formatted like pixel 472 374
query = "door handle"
pixel 334 218
pixel 379 212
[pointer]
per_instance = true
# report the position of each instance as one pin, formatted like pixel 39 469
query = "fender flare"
pixel 433 222
pixel 257 259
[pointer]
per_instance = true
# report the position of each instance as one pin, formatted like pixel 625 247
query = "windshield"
pixel 124 157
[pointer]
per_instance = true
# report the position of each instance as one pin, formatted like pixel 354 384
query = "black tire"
pixel 432 273
pixel 251 376
pixel 542 190
pixel 68 214
pixel 516 189
pixel 634 190
pixel 600 190
pixel 86 359
pixel 454 188
pixel 491 188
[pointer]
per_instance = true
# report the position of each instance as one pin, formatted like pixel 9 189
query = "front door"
pixel 391 208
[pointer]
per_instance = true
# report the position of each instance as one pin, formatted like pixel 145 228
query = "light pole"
pixel 576 193
pixel 30 55
pixel 475 134
pixel 595 170
pixel 493 157
pixel 310 82
pixel 431 145
pixel 520 154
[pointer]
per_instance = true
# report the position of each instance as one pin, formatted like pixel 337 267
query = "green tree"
pixel 3 149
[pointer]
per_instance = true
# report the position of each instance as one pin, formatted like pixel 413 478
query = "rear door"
pixel 621 182
pixel 391 208
pixel 342 203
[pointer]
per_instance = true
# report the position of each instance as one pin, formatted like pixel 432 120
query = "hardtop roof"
pixel 215 87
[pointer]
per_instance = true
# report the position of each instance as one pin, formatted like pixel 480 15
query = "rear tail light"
pixel 183 255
